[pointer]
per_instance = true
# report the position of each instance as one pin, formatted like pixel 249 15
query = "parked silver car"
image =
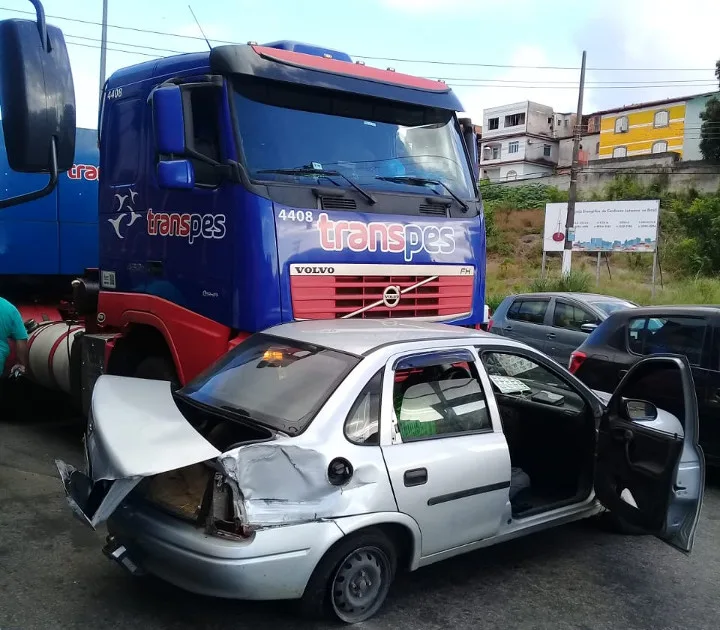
pixel 317 459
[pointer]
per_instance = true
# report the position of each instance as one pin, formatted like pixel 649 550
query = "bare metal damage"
pixel 283 483
pixel 255 486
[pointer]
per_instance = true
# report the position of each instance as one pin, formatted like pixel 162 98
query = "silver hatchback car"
pixel 317 459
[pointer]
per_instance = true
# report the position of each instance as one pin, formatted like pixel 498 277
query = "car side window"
pixel 674 335
pixel 514 309
pixel 530 311
pixel 439 401
pixel 572 317
pixel 513 374
pixel 362 425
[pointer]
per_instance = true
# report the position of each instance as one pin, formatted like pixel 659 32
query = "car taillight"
pixel 577 358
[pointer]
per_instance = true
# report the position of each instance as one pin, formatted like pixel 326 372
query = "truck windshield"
pixel 278 382
pixel 287 126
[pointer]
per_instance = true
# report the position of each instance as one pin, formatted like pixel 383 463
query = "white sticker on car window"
pixel 514 365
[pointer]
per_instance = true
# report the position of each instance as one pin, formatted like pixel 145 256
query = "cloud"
pixel 410 7
pixel 557 88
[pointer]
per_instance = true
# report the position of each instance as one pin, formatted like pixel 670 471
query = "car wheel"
pixel 353 579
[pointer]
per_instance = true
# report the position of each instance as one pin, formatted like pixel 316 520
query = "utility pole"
pixel 572 192
pixel 103 46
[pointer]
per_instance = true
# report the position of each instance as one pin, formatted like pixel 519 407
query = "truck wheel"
pixel 158 368
pixel 352 580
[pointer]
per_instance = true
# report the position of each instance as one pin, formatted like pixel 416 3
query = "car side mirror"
pixel 37 97
pixel 176 174
pixel 639 410
pixel 588 328
pixel 169 120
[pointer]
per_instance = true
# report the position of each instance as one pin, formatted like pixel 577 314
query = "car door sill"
pixel 520 527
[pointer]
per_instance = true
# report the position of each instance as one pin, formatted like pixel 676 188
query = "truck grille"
pixel 435 292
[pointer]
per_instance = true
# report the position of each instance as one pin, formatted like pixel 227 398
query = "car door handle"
pixel 415 477
pixel 508 327
pixel 550 335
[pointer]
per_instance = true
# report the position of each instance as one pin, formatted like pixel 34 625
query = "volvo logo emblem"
pixel 391 296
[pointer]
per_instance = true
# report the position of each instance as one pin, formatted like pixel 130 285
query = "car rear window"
pixel 673 334
pixel 278 382
pixel 610 306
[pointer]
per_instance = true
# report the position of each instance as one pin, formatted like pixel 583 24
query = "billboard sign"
pixel 604 226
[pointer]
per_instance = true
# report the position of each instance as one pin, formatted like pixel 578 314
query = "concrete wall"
pixel 589 143
pixel 563 125
pixel 540 119
pixel 680 175
pixel 691 141
pixel 500 113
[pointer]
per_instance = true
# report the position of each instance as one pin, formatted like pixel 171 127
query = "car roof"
pixel 676 309
pixel 588 297
pixel 362 336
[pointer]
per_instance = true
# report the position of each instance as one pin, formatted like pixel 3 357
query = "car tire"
pixel 353 578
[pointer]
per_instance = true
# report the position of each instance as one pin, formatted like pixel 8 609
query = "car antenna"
pixel 200 27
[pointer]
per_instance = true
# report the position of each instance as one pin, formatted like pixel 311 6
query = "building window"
pixel 621 124
pixel 546 150
pixel 514 120
pixel 511 175
pixel 513 147
pixel 493 123
pixel 559 122
pixel 550 120
pixel 620 152
pixel 662 119
pixel 661 146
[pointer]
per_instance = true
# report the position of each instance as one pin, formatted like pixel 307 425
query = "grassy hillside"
pixel 689 254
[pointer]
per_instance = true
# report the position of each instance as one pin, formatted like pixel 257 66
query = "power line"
pixel 376 58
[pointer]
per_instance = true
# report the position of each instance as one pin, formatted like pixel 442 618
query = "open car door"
pixel 650 470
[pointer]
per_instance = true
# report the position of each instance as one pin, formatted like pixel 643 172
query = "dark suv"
pixel 627 336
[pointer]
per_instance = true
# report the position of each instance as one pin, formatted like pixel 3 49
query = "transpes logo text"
pixel 408 239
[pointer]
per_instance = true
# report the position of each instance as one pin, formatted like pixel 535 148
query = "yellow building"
pixel 656 127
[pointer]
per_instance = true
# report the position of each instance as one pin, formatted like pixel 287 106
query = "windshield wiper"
pixel 308 172
pixel 422 181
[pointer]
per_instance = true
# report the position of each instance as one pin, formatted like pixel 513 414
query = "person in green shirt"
pixel 12 327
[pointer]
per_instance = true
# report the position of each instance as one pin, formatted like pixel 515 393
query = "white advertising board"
pixel 604 226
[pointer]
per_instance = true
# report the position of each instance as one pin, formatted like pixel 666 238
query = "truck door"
pixel 650 469
pixel 446 455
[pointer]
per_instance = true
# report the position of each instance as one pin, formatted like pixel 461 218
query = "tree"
pixel 710 130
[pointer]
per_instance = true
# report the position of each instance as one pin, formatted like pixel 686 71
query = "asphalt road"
pixel 52 574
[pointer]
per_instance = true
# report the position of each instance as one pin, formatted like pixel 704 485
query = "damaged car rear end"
pixel 227 488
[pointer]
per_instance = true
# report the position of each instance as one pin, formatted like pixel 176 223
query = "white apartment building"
pixel 519 140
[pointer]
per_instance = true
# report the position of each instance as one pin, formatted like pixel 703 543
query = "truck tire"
pixel 353 578
pixel 158 368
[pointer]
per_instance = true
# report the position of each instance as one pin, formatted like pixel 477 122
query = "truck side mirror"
pixel 37 97
pixel 470 138
pixel 169 120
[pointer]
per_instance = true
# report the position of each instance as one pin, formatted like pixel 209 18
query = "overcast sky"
pixel 616 34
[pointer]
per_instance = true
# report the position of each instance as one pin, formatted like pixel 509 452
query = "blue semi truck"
pixel 47 242
pixel 244 187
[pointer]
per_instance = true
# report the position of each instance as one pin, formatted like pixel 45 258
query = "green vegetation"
pixel 689 245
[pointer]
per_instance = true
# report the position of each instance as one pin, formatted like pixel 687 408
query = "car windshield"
pixel 289 126
pixel 277 382
pixel 610 306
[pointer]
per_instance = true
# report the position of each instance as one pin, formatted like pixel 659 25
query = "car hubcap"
pixel 360 584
